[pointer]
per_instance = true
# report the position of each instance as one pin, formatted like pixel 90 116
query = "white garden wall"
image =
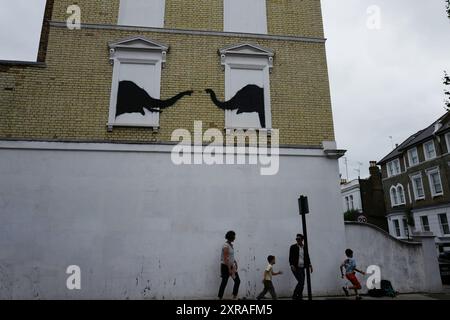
pixel 140 227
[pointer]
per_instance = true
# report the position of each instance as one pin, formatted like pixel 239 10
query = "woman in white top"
pixel 228 266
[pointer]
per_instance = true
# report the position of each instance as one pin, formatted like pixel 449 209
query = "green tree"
pixel 351 215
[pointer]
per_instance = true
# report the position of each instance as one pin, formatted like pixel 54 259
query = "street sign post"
pixel 304 210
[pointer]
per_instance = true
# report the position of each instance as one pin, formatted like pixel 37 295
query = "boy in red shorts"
pixel 349 265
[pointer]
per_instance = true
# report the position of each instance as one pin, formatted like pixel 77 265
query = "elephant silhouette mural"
pixel 248 99
pixel 131 98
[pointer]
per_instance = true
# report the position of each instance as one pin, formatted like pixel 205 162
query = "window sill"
pixel 437 195
pixel 132 125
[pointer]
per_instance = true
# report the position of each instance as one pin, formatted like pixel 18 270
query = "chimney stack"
pixel 374 169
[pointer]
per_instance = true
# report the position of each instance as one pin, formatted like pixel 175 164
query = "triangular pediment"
pixel 247 49
pixel 138 43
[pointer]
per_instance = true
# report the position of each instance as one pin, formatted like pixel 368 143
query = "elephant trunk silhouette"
pixel 131 98
pixel 248 99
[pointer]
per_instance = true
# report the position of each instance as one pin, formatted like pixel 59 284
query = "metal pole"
pixel 307 262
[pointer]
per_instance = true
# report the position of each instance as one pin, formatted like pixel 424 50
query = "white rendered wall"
pixel 400 262
pixel 140 227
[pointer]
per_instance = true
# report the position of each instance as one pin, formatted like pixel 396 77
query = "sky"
pixel 386 62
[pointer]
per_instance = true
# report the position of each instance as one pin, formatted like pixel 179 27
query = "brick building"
pixel 87 173
pixel 416 183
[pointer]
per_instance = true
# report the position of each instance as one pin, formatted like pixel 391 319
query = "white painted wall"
pixel 433 220
pixel 141 227
pixel 248 16
pixel 401 263
pixel 143 13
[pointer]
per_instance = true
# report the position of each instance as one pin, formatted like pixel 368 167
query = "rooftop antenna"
pixel 359 169
pixel 346 167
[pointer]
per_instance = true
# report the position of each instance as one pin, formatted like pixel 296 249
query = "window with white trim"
pixel 443 221
pixel 417 183
pixel 434 178
pixel 352 204
pixel 405 228
pixel 397 195
pixel 401 194
pixel 425 223
pixel 249 16
pixel 429 150
pixel 247 102
pixel 135 90
pixel 393 168
pixel 394 197
pixel 347 203
pixel 142 13
pixel 413 157
pixel 397 228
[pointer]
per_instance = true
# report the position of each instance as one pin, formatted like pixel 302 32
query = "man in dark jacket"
pixel 299 262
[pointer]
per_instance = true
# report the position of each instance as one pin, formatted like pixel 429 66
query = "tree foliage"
pixel 351 215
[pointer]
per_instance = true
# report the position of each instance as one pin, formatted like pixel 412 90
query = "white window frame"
pixel 394 165
pixel 397 193
pixel 425 150
pixel 394 196
pixel 441 224
pixel 405 228
pixel 427 226
pixel 251 57
pixel 430 181
pixel 415 190
pixel 411 164
pixel 397 232
pixel 135 50
pixel 401 194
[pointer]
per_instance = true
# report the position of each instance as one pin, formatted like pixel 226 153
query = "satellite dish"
pixel 362 219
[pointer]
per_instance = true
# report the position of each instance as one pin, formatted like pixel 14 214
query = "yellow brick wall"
pixel 285 17
pixel 69 99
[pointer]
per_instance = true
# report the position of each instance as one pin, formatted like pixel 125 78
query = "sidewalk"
pixel 444 295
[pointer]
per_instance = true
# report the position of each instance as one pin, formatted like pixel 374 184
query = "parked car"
pixel 444 266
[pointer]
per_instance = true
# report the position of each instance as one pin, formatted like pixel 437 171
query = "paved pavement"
pixel 444 295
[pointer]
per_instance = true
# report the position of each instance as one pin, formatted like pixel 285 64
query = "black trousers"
pixel 224 273
pixel 268 287
pixel 299 274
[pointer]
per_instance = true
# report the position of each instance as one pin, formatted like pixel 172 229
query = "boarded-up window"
pixel 143 13
pixel 247 86
pixel 249 16
pixel 135 90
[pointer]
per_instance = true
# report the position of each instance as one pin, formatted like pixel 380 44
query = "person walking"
pixel 299 262
pixel 228 266
pixel 268 285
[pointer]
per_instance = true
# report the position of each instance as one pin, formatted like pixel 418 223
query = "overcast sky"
pixel 384 82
